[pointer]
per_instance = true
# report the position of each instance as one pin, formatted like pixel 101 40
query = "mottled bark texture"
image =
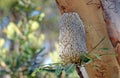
pixel 91 14
pixel 111 10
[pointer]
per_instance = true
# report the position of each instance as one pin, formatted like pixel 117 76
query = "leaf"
pixel 35 71
pixel 2 41
pixel 85 58
pixel 70 68
pixel 105 48
pixel 48 68
pixel 97 56
pixel 10 31
pixel 58 71
pixel 41 49
pixel 34 25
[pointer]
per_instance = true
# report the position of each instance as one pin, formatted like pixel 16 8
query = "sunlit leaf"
pixel 42 15
pixel 33 25
pixel 32 37
pixel 10 31
pixel 2 41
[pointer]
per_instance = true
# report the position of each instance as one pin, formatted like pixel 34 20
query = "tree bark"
pixel 112 19
pixel 91 13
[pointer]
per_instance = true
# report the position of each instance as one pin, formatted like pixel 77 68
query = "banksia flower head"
pixel 71 38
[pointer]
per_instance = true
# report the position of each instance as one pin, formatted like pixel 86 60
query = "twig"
pixel 97 44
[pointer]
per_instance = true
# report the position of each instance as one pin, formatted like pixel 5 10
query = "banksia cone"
pixel 71 38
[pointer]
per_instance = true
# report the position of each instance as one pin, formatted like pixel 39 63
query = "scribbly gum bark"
pixel 111 10
pixel 91 14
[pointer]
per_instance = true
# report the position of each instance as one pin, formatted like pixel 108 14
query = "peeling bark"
pixel 112 18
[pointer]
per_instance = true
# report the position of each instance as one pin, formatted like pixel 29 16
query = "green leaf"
pixel 49 70
pixel 10 31
pixel 70 68
pixel 105 48
pixel 41 49
pixel 85 58
pixel 97 56
pixel 58 70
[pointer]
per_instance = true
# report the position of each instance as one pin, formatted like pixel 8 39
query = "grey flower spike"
pixel 72 38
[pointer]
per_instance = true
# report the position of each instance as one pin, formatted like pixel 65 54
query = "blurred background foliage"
pixel 29 40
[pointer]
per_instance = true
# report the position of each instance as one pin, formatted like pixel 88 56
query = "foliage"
pixel 69 69
pixel 15 60
pixel 57 68
pixel 54 56
pixel 26 44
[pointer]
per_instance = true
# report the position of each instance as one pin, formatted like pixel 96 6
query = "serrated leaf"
pixel 70 69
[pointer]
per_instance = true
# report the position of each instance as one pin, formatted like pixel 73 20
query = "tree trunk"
pixel 112 19
pixel 91 13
